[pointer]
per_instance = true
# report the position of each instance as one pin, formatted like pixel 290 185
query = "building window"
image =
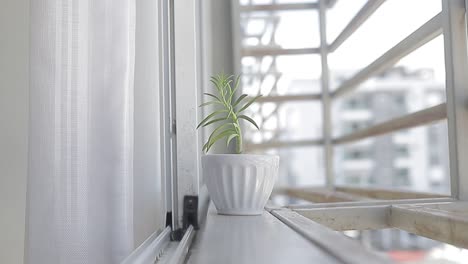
pixel 402 177
pixel 402 151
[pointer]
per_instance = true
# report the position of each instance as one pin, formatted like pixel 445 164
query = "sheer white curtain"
pixel 80 184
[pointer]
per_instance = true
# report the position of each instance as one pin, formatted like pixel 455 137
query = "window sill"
pixel 266 239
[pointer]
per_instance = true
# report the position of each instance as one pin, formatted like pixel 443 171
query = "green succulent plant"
pixel 228 113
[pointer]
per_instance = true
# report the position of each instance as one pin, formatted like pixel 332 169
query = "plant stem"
pixel 239 140
pixel 239 132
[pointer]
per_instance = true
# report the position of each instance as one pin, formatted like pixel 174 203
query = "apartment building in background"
pixel 414 159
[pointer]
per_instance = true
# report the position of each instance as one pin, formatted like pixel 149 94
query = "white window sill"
pixel 260 239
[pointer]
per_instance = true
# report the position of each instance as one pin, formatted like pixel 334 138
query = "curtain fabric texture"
pixel 80 183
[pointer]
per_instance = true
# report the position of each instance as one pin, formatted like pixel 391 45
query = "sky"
pixel 391 23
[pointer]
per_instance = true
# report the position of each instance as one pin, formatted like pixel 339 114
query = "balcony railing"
pixel 344 208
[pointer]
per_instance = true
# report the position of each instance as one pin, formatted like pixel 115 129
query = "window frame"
pixel 403 210
pixel 336 207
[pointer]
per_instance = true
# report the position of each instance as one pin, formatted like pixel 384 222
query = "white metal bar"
pixel 387 194
pixel 186 48
pixel 151 249
pixel 366 11
pixel 421 36
pixel 278 7
pixel 321 195
pixel 203 204
pixel 284 7
pixel 282 144
pixel 346 250
pixel 445 222
pixel 262 74
pixel 168 138
pixel 180 253
pixel 326 102
pixel 370 203
pixel 276 51
pixel 419 118
pixel 456 65
pixel 236 36
pixel 349 218
pixel 331 3
pixel 466 14
pixel 289 98
pixel 347 195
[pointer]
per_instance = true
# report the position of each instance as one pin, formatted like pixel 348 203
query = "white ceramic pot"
pixel 240 184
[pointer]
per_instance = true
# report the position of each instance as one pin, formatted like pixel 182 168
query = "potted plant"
pixel 238 184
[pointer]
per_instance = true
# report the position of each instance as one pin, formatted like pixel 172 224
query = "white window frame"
pixel 340 208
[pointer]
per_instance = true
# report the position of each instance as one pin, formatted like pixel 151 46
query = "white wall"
pixel 217 53
pixel 14 91
pixel 217 37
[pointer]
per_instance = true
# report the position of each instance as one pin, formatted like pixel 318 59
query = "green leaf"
pixel 215 113
pixel 250 120
pixel 210 138
pixel 220 136
pixel 214 96
pixel 213 121
pixel 230 138
pixel 239 100
pixel 227 84
pixel 210 103
pixel 217 129
pixel 236 85
pixel 204 147
pixel 249 103
pixel 220 83
pixel 216 84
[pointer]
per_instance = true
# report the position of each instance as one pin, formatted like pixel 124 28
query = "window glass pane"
pixel 340 15
pixel 403 247
pixel 281 29
pixel 414 160
pixel 390 24
pixel 285 200
pixel 281 75
pixel 285 122
pixel 428 61
pixel 269 2
pixel 277 74
pixel 417 82
pixel 404 160
pixel 299 167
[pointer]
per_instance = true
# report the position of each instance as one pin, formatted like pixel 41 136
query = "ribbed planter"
pixel 240 184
